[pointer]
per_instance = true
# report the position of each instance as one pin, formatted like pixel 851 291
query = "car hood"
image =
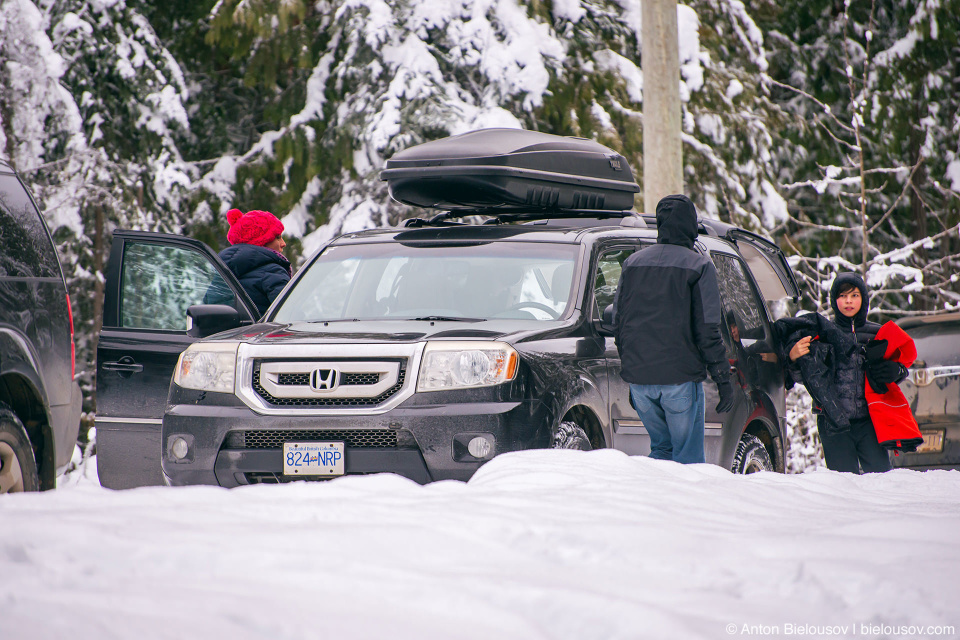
pixel 380 331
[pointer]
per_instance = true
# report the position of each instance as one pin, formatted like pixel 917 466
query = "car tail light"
pixel 73 346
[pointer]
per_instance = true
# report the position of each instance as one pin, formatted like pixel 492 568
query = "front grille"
pixel 326 402
pixel 266 477
pixel 347 379
pixel 274 439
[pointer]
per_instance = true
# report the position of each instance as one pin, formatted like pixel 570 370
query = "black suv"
pixel 40 402
pixel 423 350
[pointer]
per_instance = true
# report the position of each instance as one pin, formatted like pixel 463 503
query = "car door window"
pixel 159 283
pixel 607 276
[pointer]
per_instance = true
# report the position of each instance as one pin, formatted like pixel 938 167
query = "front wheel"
pixel 18 467
pixel 569 435
pixel 751 456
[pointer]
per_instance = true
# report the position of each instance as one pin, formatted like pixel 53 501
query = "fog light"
pixel 179 448
pixel 479 447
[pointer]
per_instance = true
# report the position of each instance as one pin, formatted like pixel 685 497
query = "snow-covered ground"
pixel 539 544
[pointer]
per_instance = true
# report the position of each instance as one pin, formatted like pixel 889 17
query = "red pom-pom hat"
pixel 253 227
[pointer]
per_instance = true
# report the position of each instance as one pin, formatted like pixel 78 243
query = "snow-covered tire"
pixel 569 435
pixel 18 467
pixel 751 456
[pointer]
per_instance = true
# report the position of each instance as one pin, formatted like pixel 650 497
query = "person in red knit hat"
pixel 255 255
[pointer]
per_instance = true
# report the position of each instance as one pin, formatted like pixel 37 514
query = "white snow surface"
pixel 539 544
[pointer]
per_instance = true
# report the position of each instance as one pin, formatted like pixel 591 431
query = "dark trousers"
pixel 853 450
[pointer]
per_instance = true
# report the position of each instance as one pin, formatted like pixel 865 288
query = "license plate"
pixel 932 442
pixel 313 458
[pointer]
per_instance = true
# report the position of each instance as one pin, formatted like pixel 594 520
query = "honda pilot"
pixel 427 349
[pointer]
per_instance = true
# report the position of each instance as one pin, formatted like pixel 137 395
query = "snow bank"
pixel 540 544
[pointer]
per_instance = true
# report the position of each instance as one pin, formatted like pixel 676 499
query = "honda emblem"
pixel 324 379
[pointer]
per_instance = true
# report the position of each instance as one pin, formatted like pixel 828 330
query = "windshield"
pixel 529 281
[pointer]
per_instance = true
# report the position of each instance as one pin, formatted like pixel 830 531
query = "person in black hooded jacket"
pixel 846 431
pixel 667 317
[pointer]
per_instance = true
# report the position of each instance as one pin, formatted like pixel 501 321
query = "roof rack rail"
pixel 503 216
pixel 705 226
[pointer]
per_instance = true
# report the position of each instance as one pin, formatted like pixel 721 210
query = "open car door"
pixel 768 265
pixel 151 281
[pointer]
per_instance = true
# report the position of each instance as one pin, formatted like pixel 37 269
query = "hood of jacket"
pixel 676 221
pixel 840 282
pixel 244 258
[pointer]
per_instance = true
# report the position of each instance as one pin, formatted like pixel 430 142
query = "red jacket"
pixel 891 415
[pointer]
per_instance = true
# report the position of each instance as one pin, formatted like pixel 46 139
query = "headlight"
pixel 460 365
pixel 207 366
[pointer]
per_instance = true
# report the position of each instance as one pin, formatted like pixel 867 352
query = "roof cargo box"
pixel 511 169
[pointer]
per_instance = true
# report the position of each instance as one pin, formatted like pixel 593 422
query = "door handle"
pixel 125 364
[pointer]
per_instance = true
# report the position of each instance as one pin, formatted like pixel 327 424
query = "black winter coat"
pixel 834 373
pixel 667 308
pixel 262 272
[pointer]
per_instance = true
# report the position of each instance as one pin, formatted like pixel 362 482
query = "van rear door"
pixel 768 265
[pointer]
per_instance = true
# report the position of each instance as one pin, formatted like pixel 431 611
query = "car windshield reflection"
pixel 383 281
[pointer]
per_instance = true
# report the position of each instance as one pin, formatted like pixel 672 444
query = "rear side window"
pixel 160 282
pixel 25 247
pixel 739 300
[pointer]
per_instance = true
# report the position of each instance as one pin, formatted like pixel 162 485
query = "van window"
pixel 26 250
pixel 160 282
pixel 607 277
pixel 739 299
pixel 522 281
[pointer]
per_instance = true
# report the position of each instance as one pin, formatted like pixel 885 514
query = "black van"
pixel 40 401
pixel 423 350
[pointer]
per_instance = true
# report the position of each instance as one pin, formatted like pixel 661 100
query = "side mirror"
pixel 207 319
pixel 605 326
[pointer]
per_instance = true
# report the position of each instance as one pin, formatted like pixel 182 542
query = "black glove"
pixel 875 350
pixel 880 373
pixel 725 387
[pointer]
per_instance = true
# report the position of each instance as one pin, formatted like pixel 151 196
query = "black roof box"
pixel 511 169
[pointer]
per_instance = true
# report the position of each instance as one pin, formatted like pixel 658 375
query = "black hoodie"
pixel 850 373
pixel 667 306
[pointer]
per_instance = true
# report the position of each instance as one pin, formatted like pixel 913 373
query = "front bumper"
pixel 231 445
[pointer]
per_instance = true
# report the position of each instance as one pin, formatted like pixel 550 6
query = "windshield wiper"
pixel 445 319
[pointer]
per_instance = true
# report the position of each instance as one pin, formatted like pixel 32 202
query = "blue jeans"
pixel 673 416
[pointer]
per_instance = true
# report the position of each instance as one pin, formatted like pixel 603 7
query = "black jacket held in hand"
pixel 667 306
pixel 262 272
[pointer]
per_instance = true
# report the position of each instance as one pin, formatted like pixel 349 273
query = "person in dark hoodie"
pixel 843 418
pixel 254 255
pixel 667 319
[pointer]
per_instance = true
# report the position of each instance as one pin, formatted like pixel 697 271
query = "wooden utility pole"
pixel 660 60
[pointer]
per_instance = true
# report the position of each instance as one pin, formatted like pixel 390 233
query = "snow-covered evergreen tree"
pixel 350 82
pixel 873 175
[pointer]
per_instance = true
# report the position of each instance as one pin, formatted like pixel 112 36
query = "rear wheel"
pixel 570 435
pixel 18 468
pixel 751 456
